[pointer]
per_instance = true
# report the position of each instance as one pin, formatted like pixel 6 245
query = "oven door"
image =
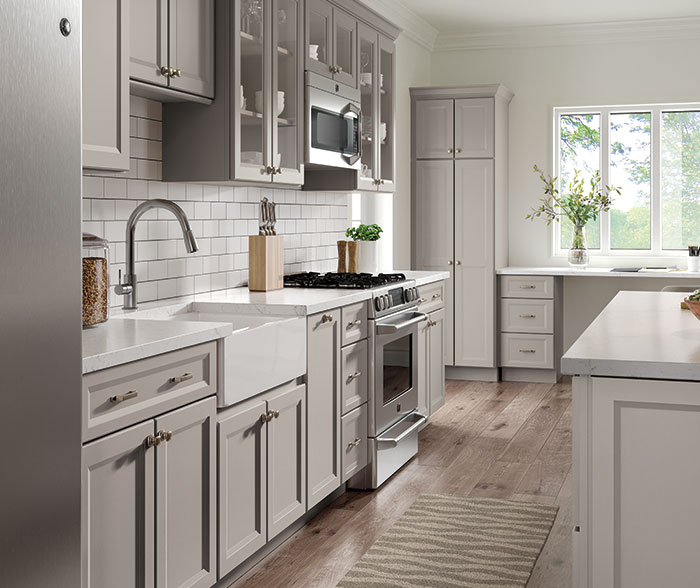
pixel 395 345
pixel 333 130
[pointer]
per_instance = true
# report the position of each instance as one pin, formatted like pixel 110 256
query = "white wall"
pixel 542 78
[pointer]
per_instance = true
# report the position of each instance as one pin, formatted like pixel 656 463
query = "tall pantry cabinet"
pixel 459 210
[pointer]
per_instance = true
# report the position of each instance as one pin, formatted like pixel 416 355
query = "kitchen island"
pixel 636 434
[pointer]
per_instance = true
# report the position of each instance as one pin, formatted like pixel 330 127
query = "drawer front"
pixel 520 315
pixel 527 351
pixel 353 376
pixel 353 323
pixel 127 394
pixel 527 286
pixel 432 297
pixel 354 442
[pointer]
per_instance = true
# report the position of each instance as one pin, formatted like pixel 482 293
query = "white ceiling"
pixel 453 16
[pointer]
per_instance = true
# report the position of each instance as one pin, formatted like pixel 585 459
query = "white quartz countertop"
pixel 120 340
pixel 594 272
pixel 639 335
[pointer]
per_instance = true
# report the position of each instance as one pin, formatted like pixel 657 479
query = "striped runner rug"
pixel 456 542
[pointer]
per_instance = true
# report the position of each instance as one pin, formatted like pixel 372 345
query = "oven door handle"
pixel 389 329
pixel 351 108
pixel 391 442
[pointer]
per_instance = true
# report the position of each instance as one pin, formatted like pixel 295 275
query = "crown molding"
pixel 413 26
pixel 572 34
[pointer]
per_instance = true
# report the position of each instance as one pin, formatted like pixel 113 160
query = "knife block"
pixel 265 262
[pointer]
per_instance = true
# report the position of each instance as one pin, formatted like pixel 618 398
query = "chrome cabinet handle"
pixel 122 397
pixel 528 316
pixel 183 378
pixel 527 287
pixel 354 443
pixel 165 71
pixel 356 323
pixel 528 351
pixel 354 376
pixel 327 318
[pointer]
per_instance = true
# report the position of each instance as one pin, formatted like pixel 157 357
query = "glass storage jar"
pixel 95 280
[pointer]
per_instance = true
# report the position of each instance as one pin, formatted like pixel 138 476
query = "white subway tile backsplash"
pixel 221 217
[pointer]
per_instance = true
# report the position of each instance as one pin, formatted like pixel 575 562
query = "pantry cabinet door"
pixel 435 127
pixel 474 127
pixel 191 46
pixel 118 510
pixel 186 497
pixel 148 34
pixel 242 483
pixel 286 459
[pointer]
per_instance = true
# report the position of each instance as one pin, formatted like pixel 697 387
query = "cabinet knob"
pixel 327 318
pixel 165 71
pixel 183 378
pixel 458 150
pixel 177 72
pixel 449 262
pixel 449 151
pixel 165 435
pixel 122 397
pixel 458 263
pixel 264 419
pixel 270 171
pixel 278 171
pixel 152 441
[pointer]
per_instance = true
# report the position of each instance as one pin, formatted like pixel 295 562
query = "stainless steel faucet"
pixel 127 287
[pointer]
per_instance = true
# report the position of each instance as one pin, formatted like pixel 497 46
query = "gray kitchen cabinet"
pixel 323 405
pixel 431 364
pixel 262 471
pixel 354 441
pixel 186 497
pixel 105 29
pixel 434 124
pixel 354 376
pixel 118 510
pixel 172 46
pixel 474 128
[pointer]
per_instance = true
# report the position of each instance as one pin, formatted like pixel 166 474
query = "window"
pixel 653 154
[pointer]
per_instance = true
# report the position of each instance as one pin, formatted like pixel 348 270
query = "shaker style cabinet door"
pixel 435 127
pixel 319 37
pixel 436 371
pixel 423 343
pixel 323 394
pixel 474 127
pixel 106 84
pixel 118 510
pixel 242 483
pixel 148 33
pixel 345 48
pixel 186 497
pixel 191 26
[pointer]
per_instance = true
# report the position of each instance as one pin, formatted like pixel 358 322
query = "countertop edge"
pixel 593 273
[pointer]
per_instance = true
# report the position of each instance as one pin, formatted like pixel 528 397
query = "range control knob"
pixel 388 302
pixel 416 295
pixel 407 295
pixel 378 304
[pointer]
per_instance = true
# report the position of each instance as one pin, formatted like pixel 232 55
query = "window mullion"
pixel 656 242
pixel 604 177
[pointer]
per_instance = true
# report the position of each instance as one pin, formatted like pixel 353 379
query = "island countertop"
pixel 639 335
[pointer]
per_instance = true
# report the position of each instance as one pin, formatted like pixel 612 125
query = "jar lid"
pixel 90 240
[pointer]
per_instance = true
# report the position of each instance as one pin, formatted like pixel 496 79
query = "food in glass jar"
pixel 95 290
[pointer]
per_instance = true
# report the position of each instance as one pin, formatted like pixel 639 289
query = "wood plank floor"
pixel 500 440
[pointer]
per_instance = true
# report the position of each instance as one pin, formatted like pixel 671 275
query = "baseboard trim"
pixel 263 552
pixel 529 375
pixel 471 374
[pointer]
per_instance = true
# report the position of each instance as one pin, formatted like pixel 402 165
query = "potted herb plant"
pixel 578 204
pixel 365 237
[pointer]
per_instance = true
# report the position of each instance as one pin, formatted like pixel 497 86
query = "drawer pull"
pixel 356 323
pixel 183 378
pixel 122 397
pixel 528 316
pixel 528 351
pixel 327 318
pixel 354 443
pixel 437 296
pixel 354 376
pixel 527 287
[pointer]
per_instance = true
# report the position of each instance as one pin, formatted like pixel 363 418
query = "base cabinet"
pixel 431 368
pixel 148 507
pixel 262 472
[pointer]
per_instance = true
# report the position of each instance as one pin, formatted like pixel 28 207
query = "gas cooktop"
pixel 336 280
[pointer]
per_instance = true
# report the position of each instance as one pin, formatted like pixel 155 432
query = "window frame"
pixel 656 111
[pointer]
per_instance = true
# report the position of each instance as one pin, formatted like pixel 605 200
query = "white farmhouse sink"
pixel 262 352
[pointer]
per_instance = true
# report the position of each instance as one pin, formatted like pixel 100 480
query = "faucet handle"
pixel 123 288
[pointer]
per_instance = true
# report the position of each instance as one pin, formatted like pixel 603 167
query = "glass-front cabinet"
pixel 377 96
pixel 268 106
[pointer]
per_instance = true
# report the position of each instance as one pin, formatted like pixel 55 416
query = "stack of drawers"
pixel 530 330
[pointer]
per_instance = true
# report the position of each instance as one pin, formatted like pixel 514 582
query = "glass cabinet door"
pixel 319 37
pixel 251 102
pixel 344 48
pixel 386 131
pixel 369 77
pixel 288 92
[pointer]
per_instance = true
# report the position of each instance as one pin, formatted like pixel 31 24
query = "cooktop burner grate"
pixel 336 280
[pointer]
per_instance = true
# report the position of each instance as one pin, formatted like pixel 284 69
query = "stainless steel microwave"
pixel 333 124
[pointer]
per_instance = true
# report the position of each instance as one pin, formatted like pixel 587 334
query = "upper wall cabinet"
pixel 331 42
pixel 172 48
pixel 252 130
pixel 106 84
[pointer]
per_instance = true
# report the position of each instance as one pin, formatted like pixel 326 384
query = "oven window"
pixel 331 131
pixel 397 368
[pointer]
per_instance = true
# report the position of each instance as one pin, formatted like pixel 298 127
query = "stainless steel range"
pixel 393 422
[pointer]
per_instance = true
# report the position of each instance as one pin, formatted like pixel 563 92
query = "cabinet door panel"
pixel 474 127
pixel 354 376
pixel 385 139
pixel 355 450
pixel 319 37
pixel 423 383
pixel 242 484
pixel 106 84
pixel 191 47
pixel 644 480
pixel 186 498
pixel 435 129
pixel 345 47
pixel 148 36
pixel 323 394
pixel 118 489
pixel 286 460
pixel 474 264
pixel 436 371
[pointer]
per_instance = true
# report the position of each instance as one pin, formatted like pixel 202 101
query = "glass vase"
pixel 578 251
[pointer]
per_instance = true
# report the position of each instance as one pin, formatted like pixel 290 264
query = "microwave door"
pixel 353 151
